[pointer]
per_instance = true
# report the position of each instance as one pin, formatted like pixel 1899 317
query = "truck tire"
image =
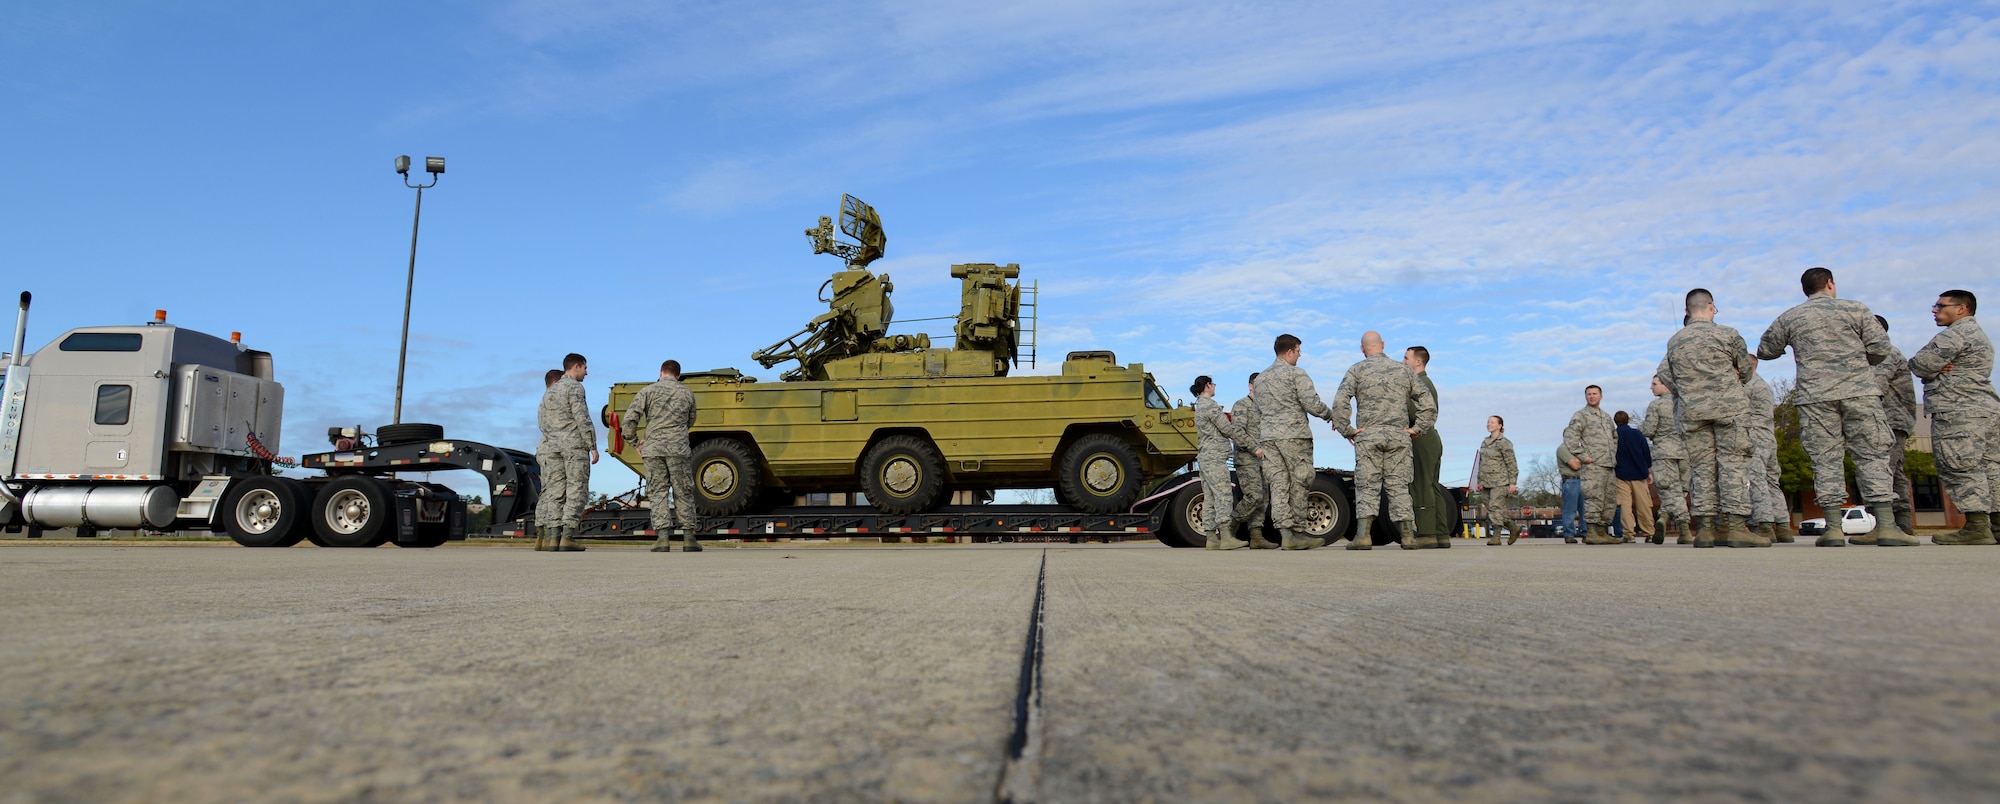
pixel 407 432
pixel 902 475
pixel 1183 525
pixel 726 477
pixel 1384 531
pixel 266 511
pixel 1329 514
pixel 1100 473
pixel 353 511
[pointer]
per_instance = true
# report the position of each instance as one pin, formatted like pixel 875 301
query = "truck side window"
pixel 102 342
pixel 114 404
pixel 1155 399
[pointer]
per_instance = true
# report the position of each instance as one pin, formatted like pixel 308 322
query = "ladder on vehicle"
pixel 1025 337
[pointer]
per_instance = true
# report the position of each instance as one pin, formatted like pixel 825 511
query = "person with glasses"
pixel 1957 370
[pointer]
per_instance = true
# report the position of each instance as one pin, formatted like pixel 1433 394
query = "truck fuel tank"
pixel 100 506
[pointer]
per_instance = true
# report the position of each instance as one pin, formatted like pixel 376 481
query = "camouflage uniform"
pixel 667 409
pixel 1705 367
pixel 1285 397
pixel 1250 468
pixel 1834 341
pixel 1767 498
pixel 1433 506
pixel 1591 434
pixel 1213 433
pixel 1899 413
pixel 1383 392
pixel 568 436
pixel 1965 413
pixel 1497 471
pixel 1662 429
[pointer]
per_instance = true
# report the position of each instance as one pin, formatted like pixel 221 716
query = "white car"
pixel 1853 519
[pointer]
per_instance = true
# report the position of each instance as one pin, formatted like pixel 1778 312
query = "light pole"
pixel 435 166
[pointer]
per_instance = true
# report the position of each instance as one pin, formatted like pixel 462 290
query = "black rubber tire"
pixel 339 523
pixel 727 477
pixel 281 525
pixel 429 534
pixel 1384 531
pixel 1337 521
pixel 903 475
pixel 407 432
pixel 1100 453
pixel 1183 518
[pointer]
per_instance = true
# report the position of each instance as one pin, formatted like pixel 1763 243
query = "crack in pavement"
pixel 1020 775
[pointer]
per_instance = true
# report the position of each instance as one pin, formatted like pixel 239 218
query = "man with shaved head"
pixel 1707 367
pixel 1383 392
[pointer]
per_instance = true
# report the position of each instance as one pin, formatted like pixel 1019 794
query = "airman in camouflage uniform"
pixel 1382 391
pixel 567 449
pixel 1899 411
pixel 1214 437
pixel 1497 477
pixel 1662 429
pixel 1706 367
pixel 1957 370
pixel 1250 477
pixel 1769 516
pixel 1592 441
pixel 1287 399
pixel 1834 341
pixel 667 409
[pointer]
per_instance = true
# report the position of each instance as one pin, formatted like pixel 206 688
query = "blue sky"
pixel 1525 188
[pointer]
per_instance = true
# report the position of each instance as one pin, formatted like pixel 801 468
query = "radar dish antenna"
pixel 860 224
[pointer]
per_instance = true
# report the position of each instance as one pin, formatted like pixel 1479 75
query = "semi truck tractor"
pixel 156 427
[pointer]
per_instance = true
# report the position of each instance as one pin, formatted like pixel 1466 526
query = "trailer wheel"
pixel 407 432
pixel 726 477
pixel 902 475
pixel 1100 472
pixel 265 511
pixel 1184 518
pixel 1329 514
pixel 353 511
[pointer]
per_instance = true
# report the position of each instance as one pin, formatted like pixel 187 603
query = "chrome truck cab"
pixel 117 426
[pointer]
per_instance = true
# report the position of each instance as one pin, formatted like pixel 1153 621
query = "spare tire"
pixel 407 432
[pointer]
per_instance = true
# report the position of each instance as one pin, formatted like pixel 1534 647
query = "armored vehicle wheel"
pixel 353 511
pixel 1329 514
pixel 902 475
pixel 1100 472
pixel 266 511
pixel 407 432
pixel 726 477
pixel 1184 518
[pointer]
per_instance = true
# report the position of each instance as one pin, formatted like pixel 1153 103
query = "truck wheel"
pixel 1184 518
pixel 353 511
pixel 902 475
pixel 1100 472
pixel 407 432
pixel 1329 514
pixel 265 511
pixel 726 477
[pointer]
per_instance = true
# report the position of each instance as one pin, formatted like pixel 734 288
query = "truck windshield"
pixel 1155 399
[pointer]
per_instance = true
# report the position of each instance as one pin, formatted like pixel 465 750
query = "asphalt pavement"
pixel 164 672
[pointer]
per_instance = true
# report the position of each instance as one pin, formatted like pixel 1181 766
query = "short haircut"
pixel 1586 389
pixel 1253 377
pixel 1621 418
pixel 1423 355
pixel 572 360
pixel 1285 343
pixel 1884 322
pixel 1696 300
pixel 1814 280
pixel 671 367
pixel 551 377
pixel 1200 383
pixel 1964 297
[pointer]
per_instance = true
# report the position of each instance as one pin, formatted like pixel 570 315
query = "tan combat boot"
pixel 1978 530
pixel 1363 540
pixel 1257 541
pixel 1493 540
pixel 1515 536
pixel 1441 542
pixel 1886 533
pixel 1408 530
pixel 1704 531
pixel 1597 534
pixel 566 541
pixel 1225 537
pixel 1904 524
pixel 690 543
pixel 1736 532
pixel 1781 532
pixel 542 539
pixel 663 544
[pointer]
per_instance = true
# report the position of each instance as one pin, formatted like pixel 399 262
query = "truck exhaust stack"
pixel 21 329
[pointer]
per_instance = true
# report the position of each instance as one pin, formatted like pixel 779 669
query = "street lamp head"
pixel 434 164
pixel 403 165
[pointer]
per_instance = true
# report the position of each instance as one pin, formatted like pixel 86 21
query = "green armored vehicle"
pixel 906 423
